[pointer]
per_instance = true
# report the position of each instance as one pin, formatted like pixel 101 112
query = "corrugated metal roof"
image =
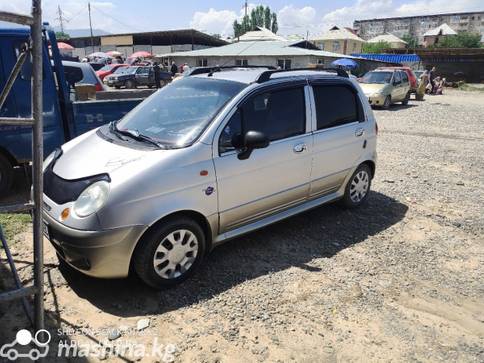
pixel 256 48
pixel 392 58
pixel 260 34
pixel 336 33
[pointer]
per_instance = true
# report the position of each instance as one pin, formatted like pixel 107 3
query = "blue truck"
pixel 64 117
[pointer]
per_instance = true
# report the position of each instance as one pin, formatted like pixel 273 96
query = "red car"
pixel 411 76
pixel 108 69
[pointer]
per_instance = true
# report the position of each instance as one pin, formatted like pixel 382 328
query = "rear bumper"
pixel 105 254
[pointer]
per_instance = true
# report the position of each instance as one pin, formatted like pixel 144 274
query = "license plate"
pixel 46 230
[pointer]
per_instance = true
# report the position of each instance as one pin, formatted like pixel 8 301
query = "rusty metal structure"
pixel 33 50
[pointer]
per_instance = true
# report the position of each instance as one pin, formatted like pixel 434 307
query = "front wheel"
pixel 387 103
pixel 170 253
pixel 358 187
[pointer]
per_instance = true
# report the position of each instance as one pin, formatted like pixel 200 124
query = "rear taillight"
pixel 99 87
pixel 376 128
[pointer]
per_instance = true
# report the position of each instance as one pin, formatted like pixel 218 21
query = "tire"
pixel 387 103
pixel 406 99
pixel 167 270
pixel 130 84
pixel 350 200
pixel 117 87
pixel 6 175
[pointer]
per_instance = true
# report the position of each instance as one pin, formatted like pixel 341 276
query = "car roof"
pixel 250 75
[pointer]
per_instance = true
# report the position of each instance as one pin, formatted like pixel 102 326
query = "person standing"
pixel 431 80
pixel 174 68
pixel 156 70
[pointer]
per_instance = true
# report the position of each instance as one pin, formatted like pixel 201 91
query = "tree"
pixel 379 47
pixel 260 16
pixel 412 42
pixel 62 36
pixel 461 40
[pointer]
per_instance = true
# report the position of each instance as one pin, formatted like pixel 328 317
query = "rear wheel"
pixel 6 175
pixel 358 187
pixel 130 84
pixel 387 103
pixel 406 99
pixel 170 253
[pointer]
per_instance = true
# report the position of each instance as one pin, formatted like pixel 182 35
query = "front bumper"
pixel 105 254
pixel 113 83
pixel 376 100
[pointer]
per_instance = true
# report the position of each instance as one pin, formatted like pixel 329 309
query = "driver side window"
pixel 233 127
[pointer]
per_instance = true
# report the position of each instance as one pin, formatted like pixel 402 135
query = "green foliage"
pixel 62 36
pixel 260 16
pixel 461 40
pixel 379 47
pixel 13 224
pixel 412 42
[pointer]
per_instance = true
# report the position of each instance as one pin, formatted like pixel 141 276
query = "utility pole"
pixel 61 20
pixel 246 8
pixel 90 26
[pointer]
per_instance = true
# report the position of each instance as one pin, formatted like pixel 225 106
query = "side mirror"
pixel 249 142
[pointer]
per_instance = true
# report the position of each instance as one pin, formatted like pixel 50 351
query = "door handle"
pixel 359 132
pixel 299 148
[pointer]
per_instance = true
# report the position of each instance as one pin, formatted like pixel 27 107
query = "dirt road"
pixel 400 279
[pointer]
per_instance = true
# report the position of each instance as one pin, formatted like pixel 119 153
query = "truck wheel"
pixel 6 175
pixel 130 84
pixel 170 252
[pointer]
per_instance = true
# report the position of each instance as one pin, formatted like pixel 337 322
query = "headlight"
pixel 48 160
pixel 91 199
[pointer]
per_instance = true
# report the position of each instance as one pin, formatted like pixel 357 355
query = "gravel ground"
pixel 400 279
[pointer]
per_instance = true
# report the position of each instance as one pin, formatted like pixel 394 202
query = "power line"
pixel 117 20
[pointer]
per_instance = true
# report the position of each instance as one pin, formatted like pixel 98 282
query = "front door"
pixel 273 178
pixel 339 136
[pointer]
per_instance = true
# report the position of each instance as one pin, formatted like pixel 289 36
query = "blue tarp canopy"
pixel 392 58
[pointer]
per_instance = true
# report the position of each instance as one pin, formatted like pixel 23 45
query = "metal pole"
pixel 38 154
pixel 90 26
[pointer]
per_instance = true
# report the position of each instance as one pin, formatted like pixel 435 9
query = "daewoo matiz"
pixel 205 159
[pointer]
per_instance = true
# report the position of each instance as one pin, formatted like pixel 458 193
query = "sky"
pixel 217 16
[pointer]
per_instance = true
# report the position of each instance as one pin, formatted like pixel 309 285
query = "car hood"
pixel 369 88
pixel 90 154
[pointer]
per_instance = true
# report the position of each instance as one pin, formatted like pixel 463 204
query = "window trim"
pixel 362 116
pixel 260 90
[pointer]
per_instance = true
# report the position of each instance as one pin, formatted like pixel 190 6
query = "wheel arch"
pixel 371 164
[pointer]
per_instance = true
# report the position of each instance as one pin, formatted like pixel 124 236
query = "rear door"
pixel 142 75
pixel 339 135
pixel 273 178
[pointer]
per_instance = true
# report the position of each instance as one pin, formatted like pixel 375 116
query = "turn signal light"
pixel 65 214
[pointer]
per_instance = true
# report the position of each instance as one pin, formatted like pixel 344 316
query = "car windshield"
pixel 107 67
pixel 178 113
pixel 377 77
pixel 126 70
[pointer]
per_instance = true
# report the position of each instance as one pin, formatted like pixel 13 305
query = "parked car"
pixel 385 87
pixel 73 70
pixel 133 77
pixel 108 69
pixel 204 160
pixel 412 78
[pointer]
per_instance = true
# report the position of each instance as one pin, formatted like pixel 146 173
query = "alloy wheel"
pixel 175 254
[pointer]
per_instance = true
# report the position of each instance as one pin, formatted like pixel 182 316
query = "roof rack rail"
pixel 266 76
pixel 211 70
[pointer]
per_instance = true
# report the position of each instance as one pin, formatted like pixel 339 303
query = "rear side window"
pixel 404 77
pixel 335 106
pixel 278 114
pixel 397 77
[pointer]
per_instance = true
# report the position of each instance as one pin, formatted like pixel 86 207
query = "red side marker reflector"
pixel 203 172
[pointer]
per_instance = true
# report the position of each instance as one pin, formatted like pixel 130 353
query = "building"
pixel 284 54
pixel 435 35
pixel 154 42
pixel 339 40
pixel 417 26
pixel 394 41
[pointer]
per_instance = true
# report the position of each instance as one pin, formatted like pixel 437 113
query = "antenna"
pixel 90 26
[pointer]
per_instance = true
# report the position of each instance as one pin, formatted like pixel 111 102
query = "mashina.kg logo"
pixel 39 348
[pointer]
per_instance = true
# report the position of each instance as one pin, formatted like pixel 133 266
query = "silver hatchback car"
pixel 203 160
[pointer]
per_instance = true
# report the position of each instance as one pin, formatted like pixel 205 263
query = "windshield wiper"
pixel 134 134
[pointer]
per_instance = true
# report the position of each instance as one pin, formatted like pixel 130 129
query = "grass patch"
pixel 13 224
